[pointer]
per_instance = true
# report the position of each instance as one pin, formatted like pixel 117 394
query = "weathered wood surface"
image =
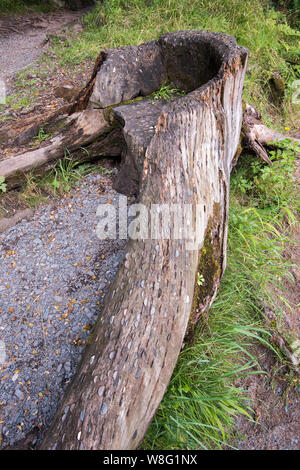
pixel 139 121
pixel 80 130
pixel 25 129
pixel 256 136
pixel 186 160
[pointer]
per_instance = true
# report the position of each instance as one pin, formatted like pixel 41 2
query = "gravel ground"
pixel 54 274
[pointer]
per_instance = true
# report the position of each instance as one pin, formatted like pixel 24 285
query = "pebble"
pixel 19 394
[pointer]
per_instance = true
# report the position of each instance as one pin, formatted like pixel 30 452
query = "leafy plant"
pixel 55 182
pixel 67 172
pixel 42 135
pixel 2 184
pixel 200 279
pixel 269 187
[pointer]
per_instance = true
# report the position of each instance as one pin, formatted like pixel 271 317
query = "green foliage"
pixel 166 93
pixel 21 100
pixel 2 184
pixel 25 93
pixel 67 172
pixel 267 187
pixel 55 182
pixel 200 404
pixel 42 135
pixel 25 6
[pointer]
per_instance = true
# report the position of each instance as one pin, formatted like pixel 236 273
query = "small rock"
pixel 19 394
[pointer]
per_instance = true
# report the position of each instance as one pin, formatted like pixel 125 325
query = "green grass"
pixel 273 44
pixel 19 101
pixel 25 93
pixel 166 92
pixel 56 182
pixel 202 400
pixel 25 6
pixel 198 410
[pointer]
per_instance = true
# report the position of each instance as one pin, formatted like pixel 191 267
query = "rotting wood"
pixel 81 130
pixel 256 136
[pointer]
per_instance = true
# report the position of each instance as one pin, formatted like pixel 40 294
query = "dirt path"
pixel 22 38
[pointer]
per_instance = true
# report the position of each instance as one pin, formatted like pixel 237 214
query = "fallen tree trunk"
pixel 178 156
pixel 80 130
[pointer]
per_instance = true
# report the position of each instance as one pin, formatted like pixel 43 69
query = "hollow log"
pixel 177 156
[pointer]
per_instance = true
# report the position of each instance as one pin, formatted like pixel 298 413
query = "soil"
pixel 275 395
pixel 276 391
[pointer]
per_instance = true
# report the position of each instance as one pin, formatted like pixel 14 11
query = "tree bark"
pixel 178 154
